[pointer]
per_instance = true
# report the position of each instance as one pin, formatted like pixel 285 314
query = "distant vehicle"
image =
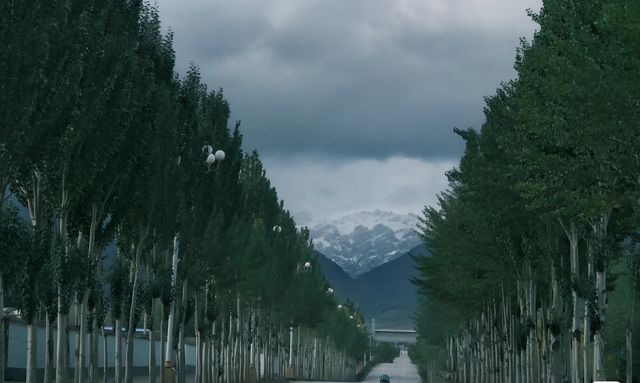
pixel 384 378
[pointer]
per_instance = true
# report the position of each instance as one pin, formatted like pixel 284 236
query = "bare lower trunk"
pixel 2 330
pixel 93 351
pixel 207 360
pixel 182 360
pixel 152 346
pixel 555 328
pixel 162 341
pixel 48 351
pixel 105 359
pixel 169 350
pixel 532 309
pixel 31 353
pixel 82 338
pixel 198 342
pixel 629 344
pixel 576 331
pixel 586 346
pixel 128 372
pixel 117 377
pixel 598 343
pixel 91 254
pixel 181 356
pixel 76 352
pixel 61 343
pixel 601 298
pixel 629 334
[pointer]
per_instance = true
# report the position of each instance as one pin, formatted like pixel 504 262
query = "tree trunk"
pixel 61 342
pixel 168 353
pixel 152 344
pixel 162 341
pixel 128 369
pixel 105 360
pixel 505 342
pixel 198 333
pixel 93 258
pixel 117 374
pixel 555 334
pixel 82 339
pixel 298 352
pixel 61 339
pixel 598 343
pixel 32 341
pixel 81 330
pixel 76 353
pixel 586 347
pixel 205 357
pixel 2 327
pixel 93 350
pixel 629 352
pixel 48 350
pixel 629 333
pixel 531 314
pixel 572 236
pixel 601 297
pixel 181 363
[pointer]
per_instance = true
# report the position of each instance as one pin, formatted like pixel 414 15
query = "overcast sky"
pixel 352 103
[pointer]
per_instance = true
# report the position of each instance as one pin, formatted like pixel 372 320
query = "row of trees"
pixel 109 149
pixel 535 241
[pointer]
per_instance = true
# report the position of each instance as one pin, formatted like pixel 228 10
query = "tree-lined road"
pixel 400 371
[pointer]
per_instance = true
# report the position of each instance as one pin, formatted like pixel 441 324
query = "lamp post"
pixel 371 334
pixel 169 369
pixel 290 367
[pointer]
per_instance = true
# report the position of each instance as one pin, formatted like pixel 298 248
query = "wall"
pixel 17 348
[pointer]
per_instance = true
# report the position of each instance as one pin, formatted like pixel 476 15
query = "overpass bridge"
pixel 397 336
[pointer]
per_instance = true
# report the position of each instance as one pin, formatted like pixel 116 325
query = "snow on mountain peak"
pixel 361 241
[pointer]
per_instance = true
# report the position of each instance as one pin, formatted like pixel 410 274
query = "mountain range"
pixel 362 241
pixel 384 293
pixel 368 261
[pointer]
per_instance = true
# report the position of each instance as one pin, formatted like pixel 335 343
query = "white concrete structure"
pixel 395 336
pixel 17 348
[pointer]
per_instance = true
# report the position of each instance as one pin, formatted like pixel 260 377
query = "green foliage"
pixel 103 141
pixel 15 246
pixel 558 148
pixel 386 352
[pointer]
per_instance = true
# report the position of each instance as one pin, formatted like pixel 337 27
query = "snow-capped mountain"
pixel 362 241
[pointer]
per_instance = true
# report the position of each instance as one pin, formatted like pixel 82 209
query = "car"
pixel 384 378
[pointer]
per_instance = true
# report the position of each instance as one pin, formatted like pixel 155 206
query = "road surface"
pixel 400 371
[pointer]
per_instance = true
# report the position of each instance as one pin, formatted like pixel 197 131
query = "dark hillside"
pixel 384 293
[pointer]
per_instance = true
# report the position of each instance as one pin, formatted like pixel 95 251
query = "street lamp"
pixel 210 158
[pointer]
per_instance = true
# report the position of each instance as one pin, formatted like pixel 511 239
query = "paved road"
pixel 400 371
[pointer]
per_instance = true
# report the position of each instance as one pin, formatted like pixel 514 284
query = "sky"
pixel 352 103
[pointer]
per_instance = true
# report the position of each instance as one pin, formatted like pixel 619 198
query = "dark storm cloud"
pixel 356 78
